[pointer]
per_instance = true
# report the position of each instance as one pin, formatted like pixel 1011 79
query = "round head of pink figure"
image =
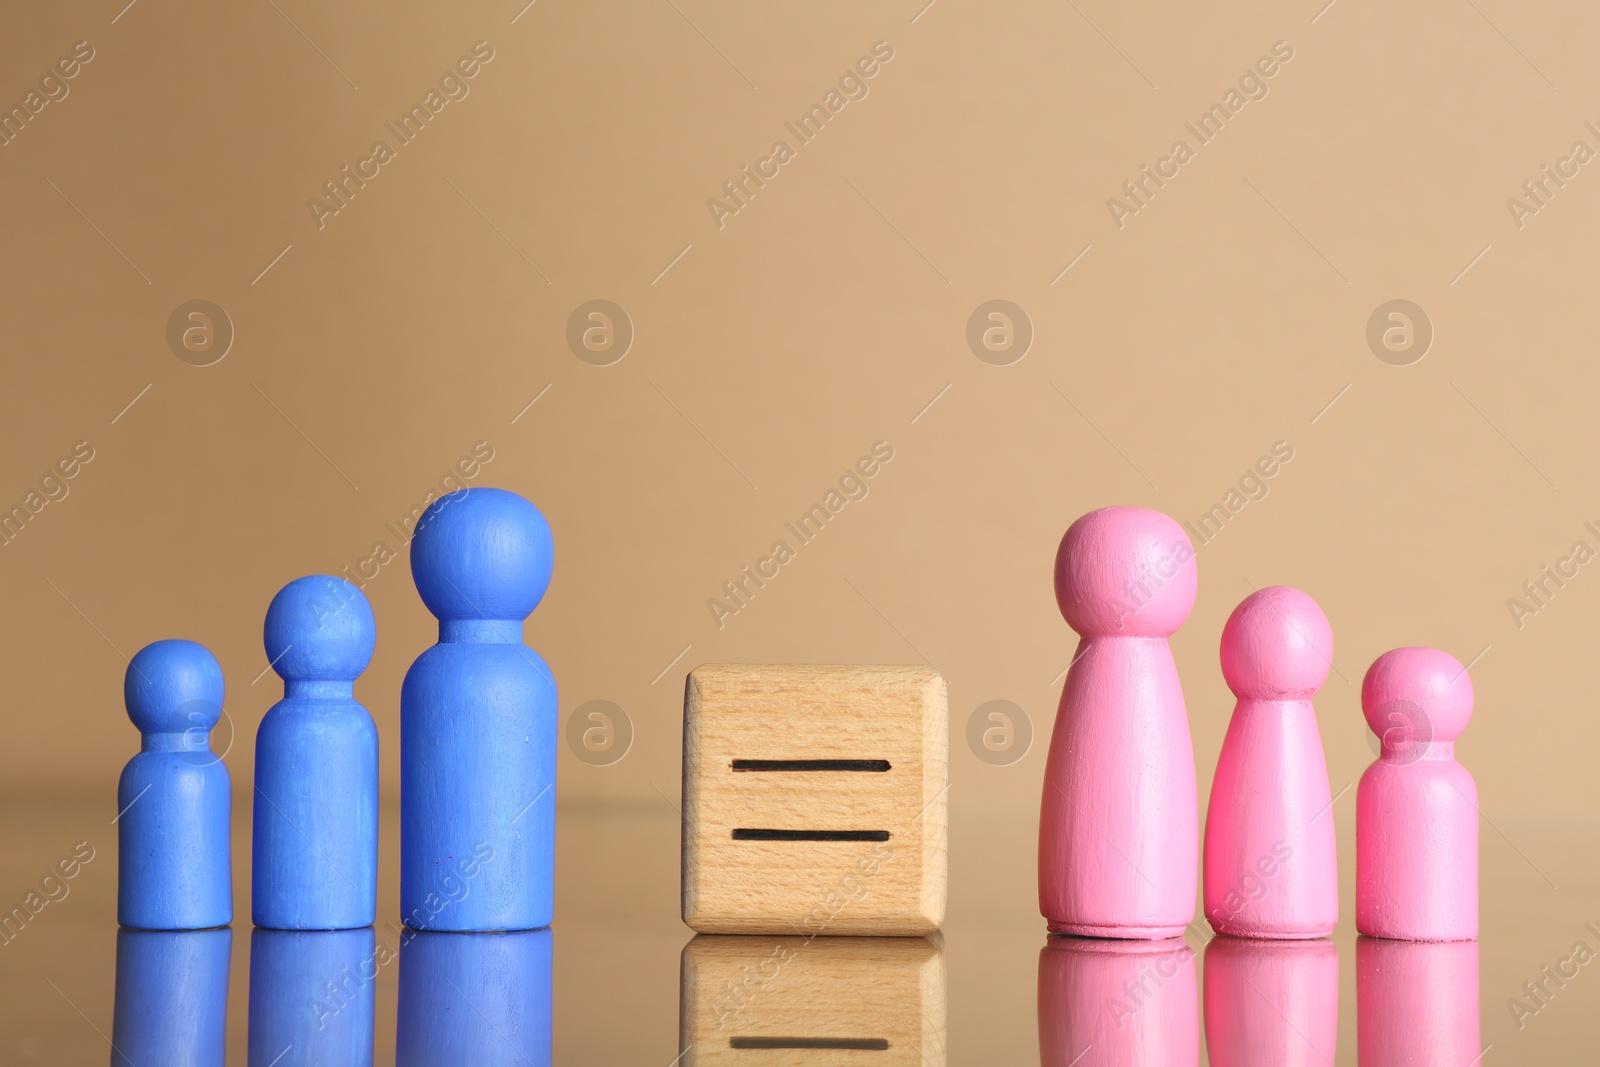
pixel 1127 572
pixel 1413 697
pixel 1277 645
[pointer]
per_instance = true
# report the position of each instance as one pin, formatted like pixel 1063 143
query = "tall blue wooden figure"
pixel 316 800
pixel 478 724
pixel 174 800
pixel 171 1001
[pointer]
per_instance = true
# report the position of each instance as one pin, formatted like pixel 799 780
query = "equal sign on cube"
pixel 814 799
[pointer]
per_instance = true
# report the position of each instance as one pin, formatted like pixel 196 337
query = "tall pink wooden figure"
pixel 1272 1003
pixel 1417 1003
pixel 1118 826
pixel 1416 807
pixel 1270 856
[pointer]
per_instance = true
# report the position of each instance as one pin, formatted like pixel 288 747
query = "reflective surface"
pixel 620 980
pixel 312 995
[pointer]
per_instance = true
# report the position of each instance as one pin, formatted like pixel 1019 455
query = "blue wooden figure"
pixel 311 997
pixel 316 799
pixel 475 999
pixel 171 1000
pixel 478 724
pixel 174 867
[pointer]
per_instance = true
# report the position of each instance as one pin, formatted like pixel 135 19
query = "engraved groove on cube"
pixel 867 1044
pixel 872 765
pixel 743 834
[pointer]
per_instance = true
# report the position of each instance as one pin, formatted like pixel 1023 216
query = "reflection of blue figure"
pixel 311 997
pixel 172 998
pixel 474 999
pixel 174 798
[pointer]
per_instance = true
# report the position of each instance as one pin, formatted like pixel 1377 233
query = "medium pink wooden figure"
pixel 1416 807
pixel 1272 1003
pixel 1118 1003
pixel 1270 856
pixel 1416 1003
pixel 1118 826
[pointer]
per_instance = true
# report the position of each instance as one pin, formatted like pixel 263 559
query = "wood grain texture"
pixel 868 885
pixel 782 1001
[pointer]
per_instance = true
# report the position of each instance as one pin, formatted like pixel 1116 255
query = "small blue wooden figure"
pixel 478 726
pixel 475 999
pixel 171 1000
pixel 174 869
pixel 315 845
pixel 311 997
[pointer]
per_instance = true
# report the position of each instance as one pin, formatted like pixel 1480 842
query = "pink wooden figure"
pixel 1416 807
pixel 1118 1003
pixel 1270 856
pixel 1272 1003
pixel 1416 1003
pixel 1118 826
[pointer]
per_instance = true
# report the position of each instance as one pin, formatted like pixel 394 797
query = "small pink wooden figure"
pixel 1416 1003
pixel 1118 1003
pixel 1416 807
pixel 1270 856
pixel 1118 826
pixel 1272 1003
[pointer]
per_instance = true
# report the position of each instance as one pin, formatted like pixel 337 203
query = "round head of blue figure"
pixel 481 554
pixel 319 629
pixel 174 687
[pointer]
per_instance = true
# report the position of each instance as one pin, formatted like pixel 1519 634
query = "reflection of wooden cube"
pixel 805 995
pixel 814 799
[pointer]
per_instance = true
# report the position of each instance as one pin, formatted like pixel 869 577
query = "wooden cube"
pixel 794 997
pixel 814 799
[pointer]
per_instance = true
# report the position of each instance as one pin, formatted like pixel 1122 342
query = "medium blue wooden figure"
pixel 477 999
pixel 478 724
pixel 311 997
pixel 174 869
pixel 171 1000
pixel 316 799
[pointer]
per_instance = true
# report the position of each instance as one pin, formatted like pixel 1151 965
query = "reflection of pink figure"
pixel 1119 824
pixel 1416 807
pixel 1271 1003
pixel 1416 1003
pixel 1270 853
pixel 1118 1003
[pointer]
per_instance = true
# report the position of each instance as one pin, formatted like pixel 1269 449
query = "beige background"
pixel 372 353
pixel 820 319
